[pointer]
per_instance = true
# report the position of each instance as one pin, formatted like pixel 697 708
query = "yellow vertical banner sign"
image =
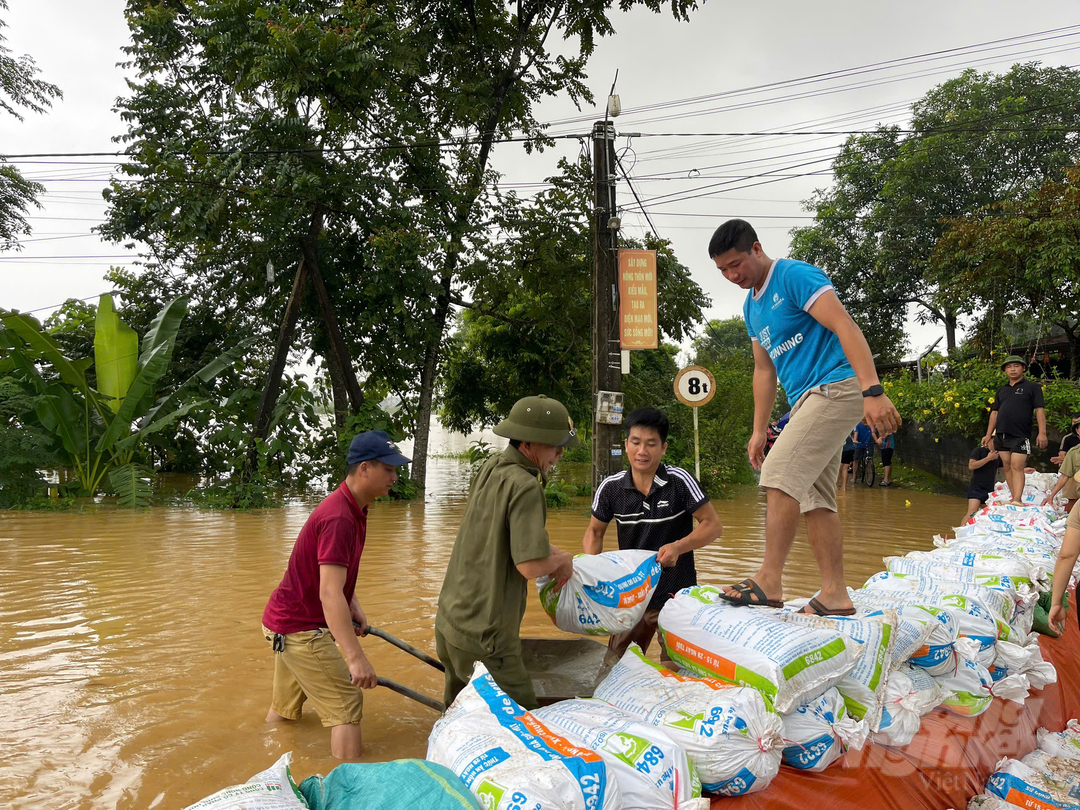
pixel 637 300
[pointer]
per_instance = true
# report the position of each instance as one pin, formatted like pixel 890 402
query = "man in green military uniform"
pixel 500 546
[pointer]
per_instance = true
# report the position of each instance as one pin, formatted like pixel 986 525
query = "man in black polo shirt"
pixel 1010 416
pixel 654 507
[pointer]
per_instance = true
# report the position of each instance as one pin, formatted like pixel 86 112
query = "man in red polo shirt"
pixel 311 612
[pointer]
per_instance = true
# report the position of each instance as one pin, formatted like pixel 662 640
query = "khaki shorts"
pixel 805 460
pixel 1074 519
pixel 311 666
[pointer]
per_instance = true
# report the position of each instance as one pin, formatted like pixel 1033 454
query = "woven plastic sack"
pixel 863 687
pixel 790 664
pixel 820 732
pixel 1061 743
pixel 1001 562
pixel 910 694
pixel 973 689
pixel 272 789
pixel 388 786
pixel 936 653
pixel 1062 772
pixel 509 759
pixel 652 771
pixel 730 733
pixel 1022 786
pixel 607 593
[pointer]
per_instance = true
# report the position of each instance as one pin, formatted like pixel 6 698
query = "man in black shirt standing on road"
pixel 654 507
pixel 1010 416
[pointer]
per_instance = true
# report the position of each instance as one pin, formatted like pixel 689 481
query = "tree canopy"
pixel 974 141
pixel 20 89
pixel 1021 259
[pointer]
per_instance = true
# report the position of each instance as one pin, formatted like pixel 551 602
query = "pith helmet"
pixel 1014 358
pixel 539 419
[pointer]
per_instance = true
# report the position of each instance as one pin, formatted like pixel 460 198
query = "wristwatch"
pixel 873 391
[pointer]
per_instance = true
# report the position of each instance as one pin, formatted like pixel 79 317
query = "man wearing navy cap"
pixel 310 614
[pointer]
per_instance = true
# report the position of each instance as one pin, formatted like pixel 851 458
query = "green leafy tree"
pixel 528 328
pixel 722 339
pixel 1020 258
pixel 98 431
pixel 20 89
pixel 24 447
pixel 361 133
pixel 976 140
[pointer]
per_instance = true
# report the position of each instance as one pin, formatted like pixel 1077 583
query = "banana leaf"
pixel 164 327
pixel 152 365
pixel 57 411
pixel 154 427
pixel 131 483
pixel 205 374
pixel 43 346
pixel 116 353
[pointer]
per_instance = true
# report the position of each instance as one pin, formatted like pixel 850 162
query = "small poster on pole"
pixel 637 300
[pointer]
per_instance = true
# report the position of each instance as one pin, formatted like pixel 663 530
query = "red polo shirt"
pixel 333 535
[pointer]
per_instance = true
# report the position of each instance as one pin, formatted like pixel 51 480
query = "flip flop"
pixel 816 608
pixel 746 589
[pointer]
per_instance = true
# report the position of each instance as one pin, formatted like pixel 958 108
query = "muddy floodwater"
pixel 132 669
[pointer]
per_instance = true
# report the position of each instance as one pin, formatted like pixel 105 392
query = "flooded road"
pixel 132 669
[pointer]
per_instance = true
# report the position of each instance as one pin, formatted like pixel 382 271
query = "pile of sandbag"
pixel 498 749
pixel 731 734
pixel 607 593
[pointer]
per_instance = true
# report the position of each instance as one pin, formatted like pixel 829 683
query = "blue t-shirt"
pixel 805 353
pixel 863 435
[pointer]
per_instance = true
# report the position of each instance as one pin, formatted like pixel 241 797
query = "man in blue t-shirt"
pixel 864 437
pixel 801 334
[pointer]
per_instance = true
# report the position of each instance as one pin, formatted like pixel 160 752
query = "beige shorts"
pixel 805 460
pixel 311 666
pixel 1074 519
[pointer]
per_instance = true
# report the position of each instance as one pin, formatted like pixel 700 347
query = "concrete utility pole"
pixel 606 368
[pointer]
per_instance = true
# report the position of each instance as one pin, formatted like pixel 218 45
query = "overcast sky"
pixel 725 48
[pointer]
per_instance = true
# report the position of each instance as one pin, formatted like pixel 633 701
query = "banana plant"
pixel 98 431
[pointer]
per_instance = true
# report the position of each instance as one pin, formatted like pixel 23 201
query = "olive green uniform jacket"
pixel 483 595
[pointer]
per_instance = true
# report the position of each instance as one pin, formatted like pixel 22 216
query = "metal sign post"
pixel 694 387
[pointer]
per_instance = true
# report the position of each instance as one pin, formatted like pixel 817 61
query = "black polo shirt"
pixel 663 516
pixel 1015 405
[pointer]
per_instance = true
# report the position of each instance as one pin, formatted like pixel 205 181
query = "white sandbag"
pixel 752 647
pixel 933 570
pixel 863 687
pixel 730 733
pixel 1062 772
pixel 1022 786
pixel 936 653
pixel 974 690
pixel 508 758
pixel 1061 743
pixel 1002 563
pixel 976 619
pixel 652 771
pixel 607 593
pixel 818 733
pixel 272 789
pixel 1039 673
pixel 910 694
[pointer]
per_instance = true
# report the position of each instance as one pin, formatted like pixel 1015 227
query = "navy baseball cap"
pixel 377 445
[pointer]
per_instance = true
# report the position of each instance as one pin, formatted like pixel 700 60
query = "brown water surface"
pixel 132 669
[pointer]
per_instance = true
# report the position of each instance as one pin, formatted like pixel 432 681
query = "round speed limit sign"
pixel 694 386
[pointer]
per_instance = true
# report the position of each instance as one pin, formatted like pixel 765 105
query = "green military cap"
pixel 1014 358
pixel 539 419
